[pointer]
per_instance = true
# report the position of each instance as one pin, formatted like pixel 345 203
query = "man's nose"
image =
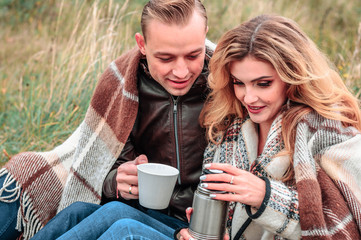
pixel 181 69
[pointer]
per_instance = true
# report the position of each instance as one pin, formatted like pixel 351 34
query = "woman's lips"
pixel 255 109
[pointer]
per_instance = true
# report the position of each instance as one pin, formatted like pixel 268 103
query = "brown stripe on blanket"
pixel 324 214
pixel 109 98
pixel 105 89
pixel 85 183
pixel 38 170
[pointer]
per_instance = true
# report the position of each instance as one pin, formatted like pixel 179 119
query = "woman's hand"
pixel 240 185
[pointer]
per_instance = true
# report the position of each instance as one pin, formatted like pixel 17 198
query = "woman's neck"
pixel 263 130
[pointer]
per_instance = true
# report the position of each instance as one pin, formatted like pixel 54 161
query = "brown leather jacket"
pixel 167 131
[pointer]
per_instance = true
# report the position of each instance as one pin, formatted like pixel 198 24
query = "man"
pixel 145 108
pixel 166 129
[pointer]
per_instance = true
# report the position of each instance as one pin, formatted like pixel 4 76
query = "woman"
pixel 286 131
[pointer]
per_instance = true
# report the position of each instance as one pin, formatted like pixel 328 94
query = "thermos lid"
pixel 207 191
pixel 211 171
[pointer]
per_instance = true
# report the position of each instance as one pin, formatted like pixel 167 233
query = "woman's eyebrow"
pixel 256 79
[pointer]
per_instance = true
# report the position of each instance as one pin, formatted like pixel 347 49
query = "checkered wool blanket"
pixel 47 182
pixel 327 165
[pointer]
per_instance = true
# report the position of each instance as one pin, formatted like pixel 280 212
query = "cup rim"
pixel 142 168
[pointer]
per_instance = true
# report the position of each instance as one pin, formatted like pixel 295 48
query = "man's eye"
pixel 193 56
pixel 165 59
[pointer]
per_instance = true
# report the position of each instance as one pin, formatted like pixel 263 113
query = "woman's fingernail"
pixel 208 165
pixel 204 185
pixel 188 208
pixel 203 177
pixel 212 195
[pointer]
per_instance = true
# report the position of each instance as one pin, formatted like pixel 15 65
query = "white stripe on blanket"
pixel 133 97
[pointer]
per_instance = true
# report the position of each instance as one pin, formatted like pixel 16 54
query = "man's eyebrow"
pixel 162 54
pixel 197 50
pixel 170 54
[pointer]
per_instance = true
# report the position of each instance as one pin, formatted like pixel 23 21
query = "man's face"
pixel 175 54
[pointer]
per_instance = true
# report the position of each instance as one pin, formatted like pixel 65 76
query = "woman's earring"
pixel 288 104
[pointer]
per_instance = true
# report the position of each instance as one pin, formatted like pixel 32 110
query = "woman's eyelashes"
pixel 259 83
pixel 264 83
pixel 235 81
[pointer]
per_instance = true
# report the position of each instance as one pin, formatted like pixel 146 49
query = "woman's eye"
pixel 264 83
pixel 236 81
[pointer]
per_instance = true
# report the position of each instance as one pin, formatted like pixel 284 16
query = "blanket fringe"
pixel 27 221
pixel 14 193
pixel 27 218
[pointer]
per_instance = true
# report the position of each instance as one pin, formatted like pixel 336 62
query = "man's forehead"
pixel 196 21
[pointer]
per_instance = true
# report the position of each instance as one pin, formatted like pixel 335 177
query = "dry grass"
pixel 50 63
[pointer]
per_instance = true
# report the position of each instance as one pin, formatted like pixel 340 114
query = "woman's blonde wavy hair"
pixel 312 81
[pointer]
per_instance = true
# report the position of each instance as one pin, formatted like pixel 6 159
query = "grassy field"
pixel 53 52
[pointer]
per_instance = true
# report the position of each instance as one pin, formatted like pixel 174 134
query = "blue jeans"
pixel 129 229
pixel 65 220
pixel 8 211
pixel 117 220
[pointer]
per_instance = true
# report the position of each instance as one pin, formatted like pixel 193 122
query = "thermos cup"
pixel 209 216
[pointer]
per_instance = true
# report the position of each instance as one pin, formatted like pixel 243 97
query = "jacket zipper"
pixel 175 119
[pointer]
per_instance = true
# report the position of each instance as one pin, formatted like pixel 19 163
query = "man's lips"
pixel 179 83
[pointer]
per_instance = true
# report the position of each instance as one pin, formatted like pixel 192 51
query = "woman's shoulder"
pixel 322 133
pixel 316 122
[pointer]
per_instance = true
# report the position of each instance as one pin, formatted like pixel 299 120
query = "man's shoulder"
pixel 128 55
pixel 210 47
pixel 127 63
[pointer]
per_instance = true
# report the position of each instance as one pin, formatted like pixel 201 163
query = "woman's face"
pixel 259 88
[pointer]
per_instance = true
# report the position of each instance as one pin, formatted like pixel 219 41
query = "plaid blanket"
pixel 75 170
pixel 325 202
pixel 47 182
pixel 328 176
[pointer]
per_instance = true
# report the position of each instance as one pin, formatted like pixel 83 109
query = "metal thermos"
pixel 209 216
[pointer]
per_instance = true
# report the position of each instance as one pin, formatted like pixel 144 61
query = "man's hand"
pixel 127 178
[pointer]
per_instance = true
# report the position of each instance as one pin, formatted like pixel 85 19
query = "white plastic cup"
pixel 156 183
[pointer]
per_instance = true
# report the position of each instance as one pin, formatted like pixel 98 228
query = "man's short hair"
pixel 171 12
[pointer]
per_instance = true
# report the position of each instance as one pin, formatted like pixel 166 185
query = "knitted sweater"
pixel 47 182
pixel 325 200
